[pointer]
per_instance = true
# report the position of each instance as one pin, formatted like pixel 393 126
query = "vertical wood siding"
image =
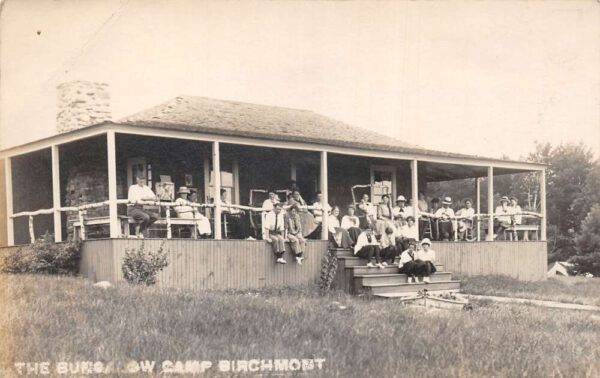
pixel 207 264
pixel 522 260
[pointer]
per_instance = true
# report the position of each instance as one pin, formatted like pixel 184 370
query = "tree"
pixel 588 244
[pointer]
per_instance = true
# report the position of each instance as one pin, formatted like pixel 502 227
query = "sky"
pixel 479 77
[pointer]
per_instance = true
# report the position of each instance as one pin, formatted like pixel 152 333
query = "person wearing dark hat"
pixel 274 230
pixel 367 247
pixel 426 261
pixel 351 223
pixel 502 217
pixel 445 218
pixel 407 264
pixel 184 210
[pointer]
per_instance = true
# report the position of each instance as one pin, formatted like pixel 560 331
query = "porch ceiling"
pixel 445 172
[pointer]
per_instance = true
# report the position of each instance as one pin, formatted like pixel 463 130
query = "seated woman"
pixel 294 234
pixel 503 219
pixel 384 215
pixel 338 236
pixel 389 251
pixel 367 246
pixel 367 213
pixel 185 211
pixel 351 223
pixel 408 262
pixel 407 232
pixel 465 219
pixel 426 261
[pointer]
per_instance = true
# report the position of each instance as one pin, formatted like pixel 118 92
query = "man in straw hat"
pixel 502 217
pixel 401 210
pixel 184 210
pixel 426 261
pixel 446 219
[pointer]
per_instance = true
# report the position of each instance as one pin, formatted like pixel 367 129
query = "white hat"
pixel 400 198
pixel 183 189
pixel 447 201
pixel 504 198
pixel 426 241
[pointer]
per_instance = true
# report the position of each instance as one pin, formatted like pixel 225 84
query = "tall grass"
pixel 578 290
pixel 66 319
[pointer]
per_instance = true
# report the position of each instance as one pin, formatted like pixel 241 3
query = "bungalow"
pixel 75 183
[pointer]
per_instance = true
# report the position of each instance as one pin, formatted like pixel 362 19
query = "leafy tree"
pixel 588 244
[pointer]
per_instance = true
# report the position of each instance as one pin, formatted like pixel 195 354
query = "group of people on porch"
pixel 437 219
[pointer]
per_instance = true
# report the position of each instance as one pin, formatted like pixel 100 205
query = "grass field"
pixel 66 319
pixel 578 290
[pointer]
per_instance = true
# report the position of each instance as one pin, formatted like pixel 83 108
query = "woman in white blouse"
pixel 338 235
pixel 351 223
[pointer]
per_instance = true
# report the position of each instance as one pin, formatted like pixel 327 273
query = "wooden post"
pixel 31 232
pixel 111 153
pixel 10 231
pixel 82 225
pixel 56 194
pixel 414 169
pixel 217 189
pixel 168 214
pixel 490 190
pixel 325 198
pixel 478 194
pixel 543 221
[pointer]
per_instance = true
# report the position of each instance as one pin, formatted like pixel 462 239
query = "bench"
pixel 124 221
pixel 526 228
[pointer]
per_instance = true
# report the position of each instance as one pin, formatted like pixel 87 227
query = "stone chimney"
pixel 81 104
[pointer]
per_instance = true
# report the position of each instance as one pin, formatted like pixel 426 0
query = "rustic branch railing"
pixel 81 211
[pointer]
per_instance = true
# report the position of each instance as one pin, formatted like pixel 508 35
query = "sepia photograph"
pixel 254 188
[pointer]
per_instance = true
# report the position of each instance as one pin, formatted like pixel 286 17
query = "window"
pixel 383 181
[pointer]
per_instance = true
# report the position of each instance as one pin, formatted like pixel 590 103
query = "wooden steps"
pixel 353 276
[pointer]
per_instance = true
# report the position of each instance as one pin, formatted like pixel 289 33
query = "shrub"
pixel 44 256
pixel 328 270
pixel 141 266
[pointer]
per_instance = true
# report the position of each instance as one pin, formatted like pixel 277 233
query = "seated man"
pixel 445 220
pixel 367 246
pixel 401 210
pixel 267 206
pixel 143 215
pixel 408 264
pixel 351 223
pixel 240 229
pixel 502 217
pixel 274 230
pixel 185 211
pixel 294 234
pixel 426 261
pixel 465 221
pixel 389 251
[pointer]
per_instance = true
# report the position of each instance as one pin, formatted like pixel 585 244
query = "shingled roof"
pixel 220 117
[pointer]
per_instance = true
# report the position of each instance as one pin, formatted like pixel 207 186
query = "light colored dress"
pixel 185 211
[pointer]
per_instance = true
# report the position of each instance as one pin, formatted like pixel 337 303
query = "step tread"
pixel 393 275
pixel 432 283
pixel 387 267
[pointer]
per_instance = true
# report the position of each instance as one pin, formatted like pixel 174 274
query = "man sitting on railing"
pixel 274 231
pixel 143 217
pixel 185 211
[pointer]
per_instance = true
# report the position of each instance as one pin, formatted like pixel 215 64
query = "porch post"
pixel 414 170
pixel 543 204
pixel 490 233
pixel 217 189
pixel 478 194
pixel 10 231
pixel 325 200
pixel 56 194
pixel 111 153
